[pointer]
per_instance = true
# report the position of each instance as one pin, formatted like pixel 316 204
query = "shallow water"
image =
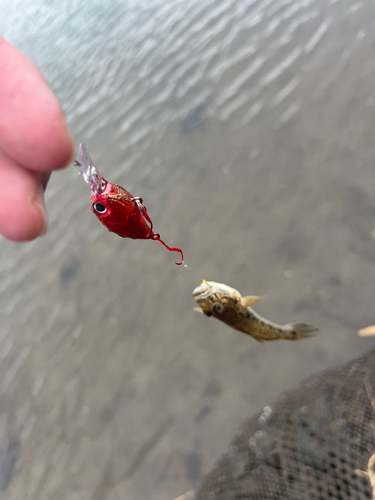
pixel 248 129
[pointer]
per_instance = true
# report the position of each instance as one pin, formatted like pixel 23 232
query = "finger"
pixel 22 211
pixel 33 129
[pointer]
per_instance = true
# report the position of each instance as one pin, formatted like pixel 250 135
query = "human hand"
pixel 34 140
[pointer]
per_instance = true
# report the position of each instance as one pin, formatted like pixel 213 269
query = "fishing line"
pixel 76 166
pixel 192 270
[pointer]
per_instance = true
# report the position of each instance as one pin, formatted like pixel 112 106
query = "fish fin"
pixel 371 464
pixel 361 473
pixel 206 313
pixel 250 300
pixel 302 330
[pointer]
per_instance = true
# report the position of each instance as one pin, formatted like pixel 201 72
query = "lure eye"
pixel 100 208
pixel 218 308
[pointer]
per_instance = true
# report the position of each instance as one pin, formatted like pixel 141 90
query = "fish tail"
pixel 301 330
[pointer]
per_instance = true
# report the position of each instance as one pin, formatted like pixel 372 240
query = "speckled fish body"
pixel 227 304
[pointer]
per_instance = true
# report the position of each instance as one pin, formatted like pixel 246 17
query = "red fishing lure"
pixel 117 210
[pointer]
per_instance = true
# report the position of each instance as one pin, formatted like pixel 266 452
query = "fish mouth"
pixel 92 177
pixel 208 288
pixel 202 291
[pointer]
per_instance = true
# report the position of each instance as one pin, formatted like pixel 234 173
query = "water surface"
pixel 248 129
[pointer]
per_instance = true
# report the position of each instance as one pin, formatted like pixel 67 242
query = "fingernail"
pixel 39 203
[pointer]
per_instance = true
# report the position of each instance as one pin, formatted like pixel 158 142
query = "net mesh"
pixel 310 444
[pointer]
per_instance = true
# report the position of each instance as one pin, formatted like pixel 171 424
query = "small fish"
pixel 117 210
pixel 227 304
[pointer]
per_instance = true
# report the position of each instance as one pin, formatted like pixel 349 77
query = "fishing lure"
pixel 116 208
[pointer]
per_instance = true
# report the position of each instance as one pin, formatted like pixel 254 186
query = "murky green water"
pixel 248 129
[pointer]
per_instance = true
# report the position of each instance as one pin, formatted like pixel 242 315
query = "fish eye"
pixel 218 308
pixel 100 208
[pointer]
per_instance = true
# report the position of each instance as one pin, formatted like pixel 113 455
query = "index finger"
pixel 33 128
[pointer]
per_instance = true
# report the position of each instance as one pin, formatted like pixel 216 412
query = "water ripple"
pixel 285 92
pixel 290 111
pixel 317 36
pixel 11 373
pixel 241 80
pixel 282 66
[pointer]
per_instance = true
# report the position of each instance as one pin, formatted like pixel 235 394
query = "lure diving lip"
pixel 116 208
pixel 93 178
